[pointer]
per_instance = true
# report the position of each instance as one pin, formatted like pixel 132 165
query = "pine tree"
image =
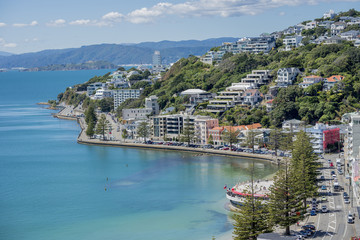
pixel 188 132
pixel 90 129
pixel 284 202
pixel 252 218
pixel 102 126
pixel 275 140
pixel 250 139
pixel 303 164
pixel 90 115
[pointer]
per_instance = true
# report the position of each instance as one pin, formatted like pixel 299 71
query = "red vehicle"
pixel 331 164
pixel 225 148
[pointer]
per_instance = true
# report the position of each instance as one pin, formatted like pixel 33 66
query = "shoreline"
pixel 83 139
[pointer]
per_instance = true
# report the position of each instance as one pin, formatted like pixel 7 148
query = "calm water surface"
pixel 53 188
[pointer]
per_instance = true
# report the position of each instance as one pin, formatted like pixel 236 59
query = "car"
pixel 332 172
pixel 351 215
pixel 322 177
pixel 345 194
pixel 323 198
pixel 329 161
pixel 350 220
pixel 324 209
pixel 346 200
pixel 341 173
pixel 303 233
pixel 313 213
pixel 300 237
pixel 311 227
pixel 331 164
pixel 225 148
pixel 323 187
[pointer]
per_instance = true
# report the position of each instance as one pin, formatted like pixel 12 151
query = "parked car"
pixel 350 220
pixel 323 187
pixel 324 209
pixel 322 177
pixel 313 213
pixel 346 200
pixel 311 227
pixel 323 198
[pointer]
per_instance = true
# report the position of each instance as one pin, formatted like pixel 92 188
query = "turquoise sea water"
pixel 53 188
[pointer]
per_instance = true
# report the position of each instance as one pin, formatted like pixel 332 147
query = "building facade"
pixel 120 95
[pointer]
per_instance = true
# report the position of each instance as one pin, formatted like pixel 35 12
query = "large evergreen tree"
pixel 276 140
pixel 251 140
pixel 102 126
pixel 284 203
pixel 252 218
pixel 188 134
pixel 303 165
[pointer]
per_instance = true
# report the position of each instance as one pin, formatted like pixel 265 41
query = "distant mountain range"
pixel 5 53
pixel 117 54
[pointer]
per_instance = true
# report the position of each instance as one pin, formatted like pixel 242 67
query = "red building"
pixel 331 136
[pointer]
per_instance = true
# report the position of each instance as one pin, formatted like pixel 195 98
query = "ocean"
pixel 53 188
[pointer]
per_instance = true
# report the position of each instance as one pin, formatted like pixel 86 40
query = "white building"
pixel 136 113
pixel 91 88
pixel 293 125
pixel 120 95
pixel 241 86
pixel 291 42
pixel 310 25
pixel 157 59
pixel 310 80
pixel 351 35
pixel 330 14
pixel 286 76
pixel 257 77
pixel 101 94
pixel 151 102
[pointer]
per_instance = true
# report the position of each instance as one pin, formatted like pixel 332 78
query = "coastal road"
pixel 333 224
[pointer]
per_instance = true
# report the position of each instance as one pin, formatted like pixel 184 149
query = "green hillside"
pixel 311 104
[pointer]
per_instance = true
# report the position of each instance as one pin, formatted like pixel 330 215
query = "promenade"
pixel 71 113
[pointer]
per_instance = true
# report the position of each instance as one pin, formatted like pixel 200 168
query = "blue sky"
pixel 34 25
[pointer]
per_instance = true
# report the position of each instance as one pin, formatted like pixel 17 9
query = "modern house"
pixel 351 35
pixel 286 76
pixel 310 80
pixel 91 88
pixel 293 125
pixel 330 14
pixel 197 96
pixel 310 25
pixel 291 42
pixel 337 27
pixel 257 77
pixel 101 94
pixel 252 97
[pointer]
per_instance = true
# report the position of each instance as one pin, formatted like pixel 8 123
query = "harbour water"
pixel 53 188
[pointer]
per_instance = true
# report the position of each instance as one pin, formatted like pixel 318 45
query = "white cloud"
pixel 281 13
pixel 207 8
pixel 31 40
pixel 113 16
pixel 33 23
pixel 5 44
pixel 56 23
pixel 2 24
pixel 10 45
pixel 81 22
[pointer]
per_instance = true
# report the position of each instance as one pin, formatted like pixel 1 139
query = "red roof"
pixel 270 101
pixel 335 78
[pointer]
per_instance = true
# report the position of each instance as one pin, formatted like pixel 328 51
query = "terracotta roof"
pixel 335 78
pixel 252 91
pixel 217 128
pixel 312 76
pixel 270 101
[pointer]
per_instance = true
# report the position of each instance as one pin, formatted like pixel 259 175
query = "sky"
pixel 35 25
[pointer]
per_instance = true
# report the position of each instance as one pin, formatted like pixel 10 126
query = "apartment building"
pixel 120 95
